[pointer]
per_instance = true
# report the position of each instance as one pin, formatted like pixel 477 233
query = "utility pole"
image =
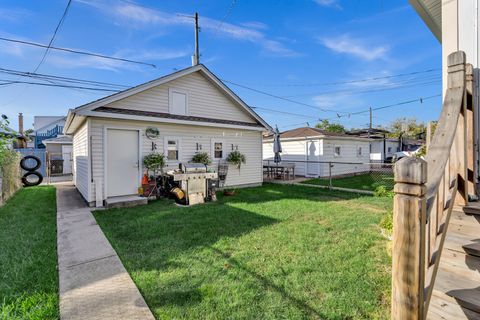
pixel 196 57
pixel 370 123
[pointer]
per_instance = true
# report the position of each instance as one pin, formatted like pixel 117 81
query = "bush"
pixel 382 191
pixel 201 157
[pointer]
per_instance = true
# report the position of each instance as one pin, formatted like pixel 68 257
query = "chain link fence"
pixel 352 175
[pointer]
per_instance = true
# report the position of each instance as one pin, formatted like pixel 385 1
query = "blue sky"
pixel 288 48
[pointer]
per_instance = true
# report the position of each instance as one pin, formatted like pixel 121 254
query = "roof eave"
pixel 432 22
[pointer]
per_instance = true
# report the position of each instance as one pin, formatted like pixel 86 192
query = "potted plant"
pixel 201 157
pixel 154 162
pixel 236 158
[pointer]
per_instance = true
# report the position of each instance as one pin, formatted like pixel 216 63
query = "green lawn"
pixel 360 182
pixel 272 252
pixel 28 257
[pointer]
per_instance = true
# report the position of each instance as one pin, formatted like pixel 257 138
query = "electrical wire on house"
pixel 281 98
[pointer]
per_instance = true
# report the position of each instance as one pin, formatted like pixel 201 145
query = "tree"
pixel 407 127
pixel 330 127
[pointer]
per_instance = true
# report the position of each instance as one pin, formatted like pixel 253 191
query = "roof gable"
pixel 246 113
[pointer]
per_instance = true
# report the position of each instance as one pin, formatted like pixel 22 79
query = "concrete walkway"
pixel 93 282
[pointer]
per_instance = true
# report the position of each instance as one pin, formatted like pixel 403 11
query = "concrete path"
pixel 93 282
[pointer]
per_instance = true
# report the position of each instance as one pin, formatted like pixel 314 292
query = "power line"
pixel 8 82
pixel 98 55
pixel 351 81
pixel 227 14
pixel 47 77
pixel 285 112
pixel 389 87
pixel 279 97
pixel 421 99
pixel 60 23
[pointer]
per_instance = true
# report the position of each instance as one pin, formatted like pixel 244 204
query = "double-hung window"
pixel 172 148
pixel 218 149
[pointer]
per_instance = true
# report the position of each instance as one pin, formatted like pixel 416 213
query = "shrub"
pixel 387 222
pixel 382 191
pixel 236 158
pixel 154 161
pixel 201 157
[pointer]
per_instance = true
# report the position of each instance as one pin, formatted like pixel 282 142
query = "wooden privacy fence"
pixel 427 190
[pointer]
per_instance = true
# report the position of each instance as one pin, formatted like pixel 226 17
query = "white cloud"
pixel 135 15
pixel 255 25
pixel 328 3
pixel 337 101
pixel 13 14
pixel 356 47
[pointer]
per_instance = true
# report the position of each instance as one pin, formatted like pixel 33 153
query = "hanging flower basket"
pixel 236 158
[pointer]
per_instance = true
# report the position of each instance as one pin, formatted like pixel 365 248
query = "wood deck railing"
pixel 425 193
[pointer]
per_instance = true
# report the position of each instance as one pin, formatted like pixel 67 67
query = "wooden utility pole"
pixel 196 57
pixel 370 123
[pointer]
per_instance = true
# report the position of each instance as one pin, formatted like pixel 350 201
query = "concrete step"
pixel 125 202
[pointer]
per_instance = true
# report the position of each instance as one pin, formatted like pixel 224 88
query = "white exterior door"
pixel 313 150
pixel 67 159
pixel 122 162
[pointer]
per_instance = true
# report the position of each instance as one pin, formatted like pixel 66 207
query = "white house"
pixel 312 150
pixel 191 110
pixel 456 25
pixel 382 150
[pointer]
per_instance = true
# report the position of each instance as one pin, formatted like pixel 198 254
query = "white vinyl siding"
pixel 249 143
pixel 81 160
pixel 204 99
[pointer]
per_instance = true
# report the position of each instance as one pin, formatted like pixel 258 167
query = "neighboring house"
pixel 59 151
pixel 47 127
pixel 311 150
pixel 192 110
pixel 382 148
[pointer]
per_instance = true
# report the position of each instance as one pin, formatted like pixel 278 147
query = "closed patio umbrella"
pixel 277 146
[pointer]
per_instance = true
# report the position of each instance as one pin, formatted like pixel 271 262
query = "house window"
pixel 218 149
pixel 178 101
pixel 172 148
pixel 389 150
pixel 359 151
pixel 337 151
pixel 398 149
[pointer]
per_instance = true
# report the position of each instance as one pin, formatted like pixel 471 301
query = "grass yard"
pixel 28 256
pixel 360 182
pixel 271 252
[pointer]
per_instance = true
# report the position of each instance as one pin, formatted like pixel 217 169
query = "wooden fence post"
pixel 471 188
pixel 409 228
